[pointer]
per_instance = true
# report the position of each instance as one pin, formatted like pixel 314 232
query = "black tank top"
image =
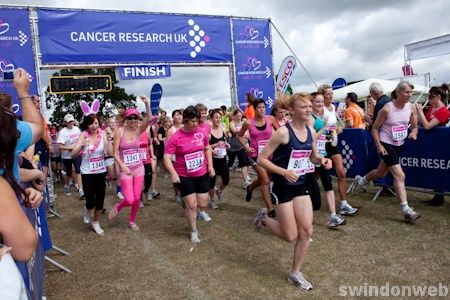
pixel 282 154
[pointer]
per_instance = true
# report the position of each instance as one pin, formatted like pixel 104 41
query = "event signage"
pixel 144 72
pixel 339 83
pixel 424 167
pixel 253 60
pixel 155 98
pixel 116 37
pixel 16 50
pixel 284 74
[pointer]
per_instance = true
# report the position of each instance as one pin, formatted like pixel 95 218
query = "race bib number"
pixel 143 154
pixel 220 152
pixel 399 133
pixel 299 162
pixel 261 145
pixel 320 143
pixel 131 157
pixel 194 161
pixel 97 164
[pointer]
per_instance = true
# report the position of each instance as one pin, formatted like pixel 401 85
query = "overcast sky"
pixel 353 39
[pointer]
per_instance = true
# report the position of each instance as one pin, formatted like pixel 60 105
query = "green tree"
pixel 69 103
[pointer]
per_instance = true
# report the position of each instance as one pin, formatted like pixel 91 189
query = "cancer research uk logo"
pixel 347 155
pixel 254 69
pixel 259 95
pixel 250 38
pixel 7 39
pixel 199 38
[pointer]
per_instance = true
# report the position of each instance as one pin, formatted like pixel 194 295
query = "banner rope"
pixel 293 53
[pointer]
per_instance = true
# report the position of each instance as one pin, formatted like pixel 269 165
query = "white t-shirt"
pixel 68 137
pixel 330 116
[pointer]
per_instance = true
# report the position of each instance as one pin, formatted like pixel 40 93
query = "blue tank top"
pixel 282 154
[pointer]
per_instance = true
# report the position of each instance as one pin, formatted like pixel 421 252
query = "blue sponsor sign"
pixel 155 98
pixel 425 167
pixel 144 72
pixel 339 83
pixel 114 37
pixel 16 50
pixel 253 60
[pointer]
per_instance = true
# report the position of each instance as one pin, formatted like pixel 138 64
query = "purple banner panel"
pixel 253 60
pixel 16 50
pixel 117 37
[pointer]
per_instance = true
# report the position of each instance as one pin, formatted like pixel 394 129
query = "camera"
pixel 8 75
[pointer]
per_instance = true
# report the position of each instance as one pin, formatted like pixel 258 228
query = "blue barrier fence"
pixel 426 161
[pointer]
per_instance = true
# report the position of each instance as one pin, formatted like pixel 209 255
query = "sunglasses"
pixel 131 118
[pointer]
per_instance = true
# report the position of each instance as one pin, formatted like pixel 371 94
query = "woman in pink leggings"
pixel 126 154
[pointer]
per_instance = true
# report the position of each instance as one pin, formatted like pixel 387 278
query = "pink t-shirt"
pixel 206 127
pixel 189 150
pixel 394 130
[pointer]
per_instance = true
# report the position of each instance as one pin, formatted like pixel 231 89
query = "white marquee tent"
pixel 362 89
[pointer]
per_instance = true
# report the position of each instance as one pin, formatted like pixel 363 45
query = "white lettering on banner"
pixel 92 36
pixel 145 71
pixel 127 37
pixel 427 163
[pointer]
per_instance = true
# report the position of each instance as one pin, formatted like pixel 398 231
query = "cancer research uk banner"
pixel 118 37
pixel 16 51
pixel 253 60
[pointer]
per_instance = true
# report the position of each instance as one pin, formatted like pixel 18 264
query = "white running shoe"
pixel 86 216
pixel 299 280
pixel 120 196
pixel 149 196
pixel 98 230
pixel 203 215
pixel 358 184
pixel 141 204
pixel 195 236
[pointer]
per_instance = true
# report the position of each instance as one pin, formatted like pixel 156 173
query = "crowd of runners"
pixel 197 146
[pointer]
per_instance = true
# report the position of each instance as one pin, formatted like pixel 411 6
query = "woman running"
pixel 177 120
pixel 93 146
pixel 332 150
pixel 146 154
pixel 126 153
pixel 193 162
pixel 260 130
pixel 389 133
pixel 219 146
pixel 293 150
pixel 236 149
pixel 278 115
pixel 321 127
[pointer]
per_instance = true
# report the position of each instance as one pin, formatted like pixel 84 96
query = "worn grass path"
pixel 234 261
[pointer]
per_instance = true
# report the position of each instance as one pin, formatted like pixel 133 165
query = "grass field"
pixel 234 261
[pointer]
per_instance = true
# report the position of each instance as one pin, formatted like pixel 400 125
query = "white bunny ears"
pixel 90 110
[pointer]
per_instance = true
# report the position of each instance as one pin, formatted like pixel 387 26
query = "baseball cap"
pixel 68 118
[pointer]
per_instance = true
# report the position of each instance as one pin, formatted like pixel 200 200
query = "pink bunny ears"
pixel 90 110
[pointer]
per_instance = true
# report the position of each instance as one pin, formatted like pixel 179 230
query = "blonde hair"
pixel 323 87
pixel 288 102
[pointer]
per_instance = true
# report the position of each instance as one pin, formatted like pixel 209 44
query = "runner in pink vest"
pixel 389 132
pixel 126 153
pixel 260 130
